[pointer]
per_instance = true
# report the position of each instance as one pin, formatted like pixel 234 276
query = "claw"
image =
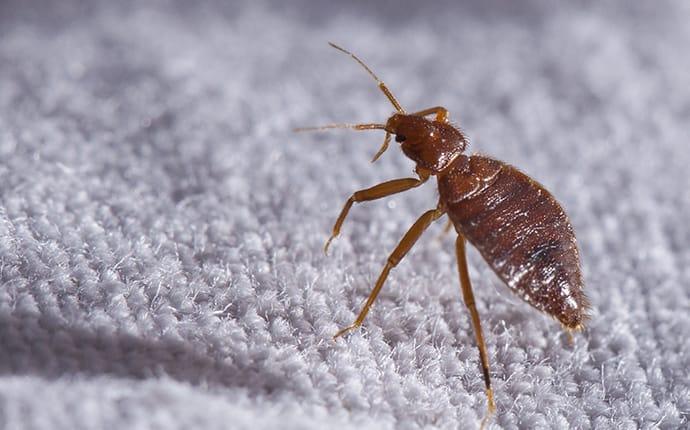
pixel 491 408
pixel 345 330
pixel 491 404
pixel 328 243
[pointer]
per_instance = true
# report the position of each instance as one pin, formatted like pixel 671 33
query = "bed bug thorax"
pixel 518 227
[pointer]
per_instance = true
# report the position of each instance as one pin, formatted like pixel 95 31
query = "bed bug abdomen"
pixel 522 233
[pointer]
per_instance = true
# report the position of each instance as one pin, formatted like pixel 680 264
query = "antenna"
pixel 371 126
pixel 382 86
pixel 352 126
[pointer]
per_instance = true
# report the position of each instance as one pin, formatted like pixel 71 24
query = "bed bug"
pixel 517 226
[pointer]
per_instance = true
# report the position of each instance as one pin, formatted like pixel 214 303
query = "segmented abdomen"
pixel 522 233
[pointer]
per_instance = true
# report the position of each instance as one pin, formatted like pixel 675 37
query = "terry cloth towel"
pixel 162 226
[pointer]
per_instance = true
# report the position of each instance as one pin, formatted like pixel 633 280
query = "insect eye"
pixel 400 138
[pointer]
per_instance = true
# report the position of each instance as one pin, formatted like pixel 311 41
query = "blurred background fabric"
pixel 161 226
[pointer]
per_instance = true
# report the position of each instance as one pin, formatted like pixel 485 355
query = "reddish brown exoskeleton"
pixel 517 226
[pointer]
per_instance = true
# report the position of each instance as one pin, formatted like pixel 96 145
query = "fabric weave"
pixel 161 226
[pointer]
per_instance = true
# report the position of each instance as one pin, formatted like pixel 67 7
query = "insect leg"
pixel 406 243
pixel 376 192
pixel 441 113
pixel 468 297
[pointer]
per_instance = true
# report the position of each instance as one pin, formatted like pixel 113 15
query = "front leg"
pixel 406 243
pixel 440 112
pixel 381 190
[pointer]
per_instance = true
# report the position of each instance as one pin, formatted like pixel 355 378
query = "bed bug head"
pixel 431 144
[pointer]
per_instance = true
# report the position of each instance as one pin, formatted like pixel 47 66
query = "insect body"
pixel 517 226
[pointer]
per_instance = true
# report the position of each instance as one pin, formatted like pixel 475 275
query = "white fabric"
pixel 161 226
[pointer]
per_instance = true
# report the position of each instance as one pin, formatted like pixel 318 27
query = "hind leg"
pixel 468 297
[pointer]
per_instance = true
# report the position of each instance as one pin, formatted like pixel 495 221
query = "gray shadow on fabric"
pixel 29 347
